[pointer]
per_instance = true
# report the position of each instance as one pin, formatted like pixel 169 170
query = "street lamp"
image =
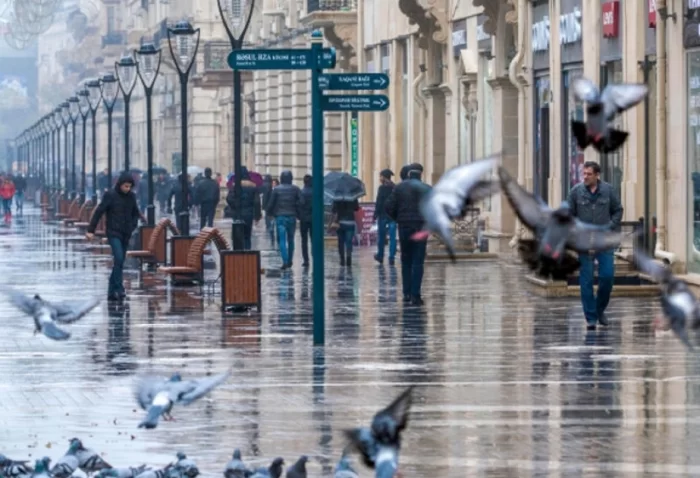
pixel 94 98
pixel 84 106
pixel 184 50
pixel 147 66
pixel 74 109
pixel 57 122
pixel 65 114
pixel 126 74
pixel 236 16
pixel 109 96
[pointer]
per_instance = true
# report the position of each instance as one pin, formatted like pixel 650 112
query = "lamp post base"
pixel 151 214
pixel 238 235
pixel 183 223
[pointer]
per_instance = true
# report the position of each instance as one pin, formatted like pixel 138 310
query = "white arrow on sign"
pixel 381 102
pixel 382 81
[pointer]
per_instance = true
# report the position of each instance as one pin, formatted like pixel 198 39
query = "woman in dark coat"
pixel 250 205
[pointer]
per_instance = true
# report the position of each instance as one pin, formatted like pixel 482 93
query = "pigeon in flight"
pixel 273 471
pixel 344 470
pixel 298 469
pixel 13 468
pixel 47 315
pixel 681 310
pixel 557 232
pixel 458 189
pixel 379 445
pixel 601 109
pixel 158 395
pixel 236 468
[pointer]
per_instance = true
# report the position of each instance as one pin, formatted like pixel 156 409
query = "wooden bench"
pixel 155 239
pixel 73 212
pixel 85 214
pixel 64 207
pixel 188 255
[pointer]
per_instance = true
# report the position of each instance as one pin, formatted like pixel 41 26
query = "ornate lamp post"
pixel 65 114
pixel 109 97
pixel 236 16
pixel 74 109
pixel 58 123
pixel 94 98
pixel 84 106
pixel 43 167
pixel 147 66
pixel 183 41
pixel 126 74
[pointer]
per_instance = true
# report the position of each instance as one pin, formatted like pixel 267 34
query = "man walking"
pixel 207 195
pixel 595 202
pixel 305 216
pixel 122 210
pixel 384 222
pixel 402 206
pixel 284 207
pixel 250 206
pixel 20 186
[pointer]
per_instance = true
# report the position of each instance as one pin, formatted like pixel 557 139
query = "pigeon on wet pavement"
pixel 273 471
pixel 159 473
pixel 236 468
pixel 379 445
pixel 68 463
pixel 298 469
pixel 681 310
pixel 13 468
pixel 157 395
pixel 601 109
pixel 557 232
pixel 458 189
pixel 186 466
pixel 130 472
pixel 90 461
pixel 47 315
pixel 42 467
pixel 344 470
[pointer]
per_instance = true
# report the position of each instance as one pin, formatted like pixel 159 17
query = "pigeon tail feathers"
pixel 152 417
pixel 580 132
pixel 613 142
pixel 51 330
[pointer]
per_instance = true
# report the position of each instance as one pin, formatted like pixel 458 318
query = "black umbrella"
pixel 339 186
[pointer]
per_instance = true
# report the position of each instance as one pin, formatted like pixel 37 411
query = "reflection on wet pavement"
pixel 512 385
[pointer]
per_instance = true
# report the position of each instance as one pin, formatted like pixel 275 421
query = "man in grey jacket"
pixel 283 205
pixel 595 202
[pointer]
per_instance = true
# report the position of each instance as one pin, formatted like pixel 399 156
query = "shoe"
pixel 590 327
pixel 416 300
pixel 378 259
pixel 284 267
pixel 391 261
pixel 603 319
pixel 305 264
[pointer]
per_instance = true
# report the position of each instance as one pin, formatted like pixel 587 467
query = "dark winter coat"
pixel 305 202
pixel 402 205
pixel 383 193
pixel 285 198
pixel 121 209
pixel 176 193
pixel 207 192
pixel 250 201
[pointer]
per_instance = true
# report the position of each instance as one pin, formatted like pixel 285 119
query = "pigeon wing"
pixel 399 409
pixel 200 387
pixel 67 312
pixel 531 210
pixel 585 90
pixel 586 237
pixel 618 98
pixel 361 440
pixel 659 273
pixel 23 302
pixel 147 388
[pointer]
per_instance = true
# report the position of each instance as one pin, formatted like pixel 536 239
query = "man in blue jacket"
pixel 595 202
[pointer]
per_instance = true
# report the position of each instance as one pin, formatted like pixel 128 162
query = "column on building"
pixel 262 160
pixel 377 55
pixel 284 121
pixel 333 134
pixel 300 122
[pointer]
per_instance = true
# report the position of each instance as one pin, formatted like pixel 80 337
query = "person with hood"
pixel 384 222
pixel 265 191
pixel 122 210
pixel 305 215
pixel 251 209
pixel 402 206
pixel 207 195
pixel 284 207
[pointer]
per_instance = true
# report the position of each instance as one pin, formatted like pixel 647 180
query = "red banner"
pixel 651 16
pixel 364 221
pixel 611 18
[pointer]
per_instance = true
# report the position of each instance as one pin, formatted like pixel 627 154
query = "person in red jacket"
pixel 7 192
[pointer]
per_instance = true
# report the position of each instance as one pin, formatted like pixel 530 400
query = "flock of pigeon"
pixel 557 237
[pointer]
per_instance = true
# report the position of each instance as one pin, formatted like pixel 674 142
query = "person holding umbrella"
pixel 344 191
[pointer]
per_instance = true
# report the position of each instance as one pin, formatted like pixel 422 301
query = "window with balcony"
pixel 111 19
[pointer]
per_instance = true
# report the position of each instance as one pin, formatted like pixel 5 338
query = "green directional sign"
pixel 354 102
pixel 280 59
pixel 353 81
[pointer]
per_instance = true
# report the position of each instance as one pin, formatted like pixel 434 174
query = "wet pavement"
pixel 511 385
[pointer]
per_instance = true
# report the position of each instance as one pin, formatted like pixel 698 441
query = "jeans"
pixel 206 215
pixel 286 227
pixel 19 200
pixel 385 225
pixel 7 205
pixel 247 233
pixel 270 227
pixel 412 258
pixel 116 278
pixel 594 306
pixel 305 230
pixel 346 233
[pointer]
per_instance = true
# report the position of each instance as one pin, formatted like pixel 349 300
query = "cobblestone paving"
pixel 511 385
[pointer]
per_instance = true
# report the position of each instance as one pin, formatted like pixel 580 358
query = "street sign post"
pixel 353 81
pixel 280 59
pixel 354 102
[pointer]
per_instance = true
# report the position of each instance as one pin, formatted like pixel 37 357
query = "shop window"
pixel 611 163
pixel 572 167
pixel 694 161
pixel 541 141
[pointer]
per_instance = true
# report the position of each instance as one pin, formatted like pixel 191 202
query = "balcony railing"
pixel 215 56
pixel 114 38
pixel 330 6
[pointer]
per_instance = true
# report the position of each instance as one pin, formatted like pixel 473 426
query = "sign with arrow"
pixel 353 81
pixel 354 102
pixel 280 59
